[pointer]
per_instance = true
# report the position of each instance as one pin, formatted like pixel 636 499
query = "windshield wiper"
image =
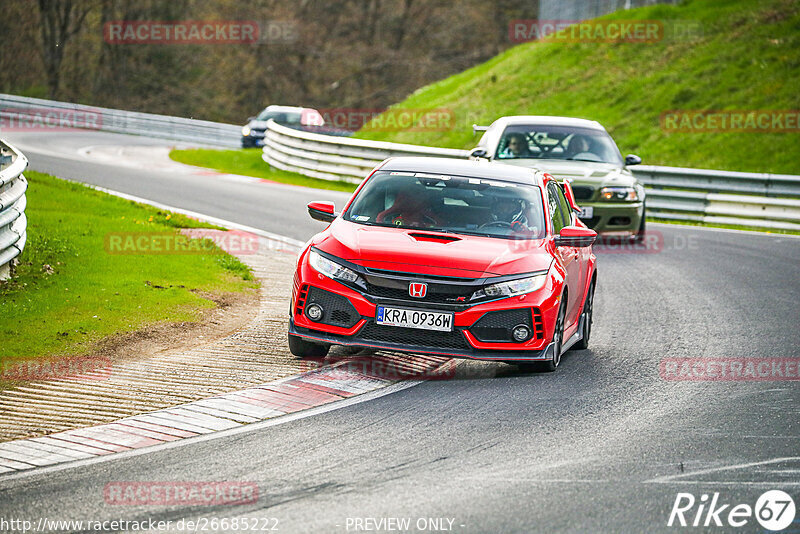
pixel 584 159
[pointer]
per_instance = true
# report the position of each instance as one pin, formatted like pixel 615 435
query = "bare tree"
pixel 59 21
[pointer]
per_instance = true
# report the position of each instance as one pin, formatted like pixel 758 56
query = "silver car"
pixel 581 152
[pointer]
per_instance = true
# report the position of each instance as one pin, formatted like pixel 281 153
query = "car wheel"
pixel 306 349
pixel 558 341
pixel 640 233
pixel 588 306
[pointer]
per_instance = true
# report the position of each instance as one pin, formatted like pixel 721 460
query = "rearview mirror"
pixel 478 152
pixel 632 159
pixel 575 236
pixel 322 211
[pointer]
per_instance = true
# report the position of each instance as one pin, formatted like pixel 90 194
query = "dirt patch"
pixel 232 312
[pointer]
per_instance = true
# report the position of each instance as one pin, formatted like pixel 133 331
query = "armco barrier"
pixel 13 224
pixel 722 197
pixel 336 158
pixel 19 112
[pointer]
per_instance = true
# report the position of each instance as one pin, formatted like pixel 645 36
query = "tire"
pixel 306 349
pixel 558 338
pixel 640 233
pixel 588 308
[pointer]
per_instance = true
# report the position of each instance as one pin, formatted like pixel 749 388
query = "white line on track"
pixel 206 218
pixel 679 478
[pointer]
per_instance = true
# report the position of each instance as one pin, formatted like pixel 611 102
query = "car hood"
pixel 409 250
pixel 580 172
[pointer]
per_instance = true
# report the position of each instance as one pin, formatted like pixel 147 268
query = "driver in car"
pixel 516 147
pixel 412 206
pixel 579 145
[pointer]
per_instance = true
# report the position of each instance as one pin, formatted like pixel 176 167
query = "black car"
pixel 295 117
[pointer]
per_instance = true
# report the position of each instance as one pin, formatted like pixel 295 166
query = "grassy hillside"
pixel 747 57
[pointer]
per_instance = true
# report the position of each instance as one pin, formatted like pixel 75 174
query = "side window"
pixel 565 209
pixel 554 207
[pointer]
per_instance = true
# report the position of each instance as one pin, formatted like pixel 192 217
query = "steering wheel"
pixel 425 218
pixel 495 223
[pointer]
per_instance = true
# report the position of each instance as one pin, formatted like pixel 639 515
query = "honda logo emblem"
pixel 418 289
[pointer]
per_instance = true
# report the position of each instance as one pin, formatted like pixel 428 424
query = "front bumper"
pixel 543 354
pixel 480 331
pixel 255 139
pixel 614 217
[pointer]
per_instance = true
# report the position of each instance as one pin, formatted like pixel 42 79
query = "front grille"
pixel 583 192
pixel 338 311
pixel 413 336
pixel 414 276
pixel 441 289
pixel 435 294
pixel 496 326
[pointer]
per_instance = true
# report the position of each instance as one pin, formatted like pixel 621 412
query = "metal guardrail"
pixel 336 158
pixel 20 112
pixel 13 223
pixel 676 193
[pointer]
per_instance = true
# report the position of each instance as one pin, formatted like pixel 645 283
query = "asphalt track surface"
pixel 602 445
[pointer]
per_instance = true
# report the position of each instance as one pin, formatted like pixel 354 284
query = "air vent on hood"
pixel 419 236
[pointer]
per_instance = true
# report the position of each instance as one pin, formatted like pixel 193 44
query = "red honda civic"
pixel 440 256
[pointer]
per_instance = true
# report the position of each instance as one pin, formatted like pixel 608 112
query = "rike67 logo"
pixel 774 510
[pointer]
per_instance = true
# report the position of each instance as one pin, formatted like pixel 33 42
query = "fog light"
pixel 314 312
pixel 521 333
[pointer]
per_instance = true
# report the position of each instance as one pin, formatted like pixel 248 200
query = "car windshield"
pixel 473 206
pixel 281 117
pixel 557 142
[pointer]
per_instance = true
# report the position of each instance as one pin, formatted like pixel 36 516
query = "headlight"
pixel 512 288
pixel 330 269
pixel 619 194
pixel 246 131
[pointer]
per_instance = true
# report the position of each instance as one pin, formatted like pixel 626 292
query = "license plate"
pixel 587 212
pixel 424 320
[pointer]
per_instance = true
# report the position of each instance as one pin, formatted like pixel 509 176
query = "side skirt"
pixel 577 336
